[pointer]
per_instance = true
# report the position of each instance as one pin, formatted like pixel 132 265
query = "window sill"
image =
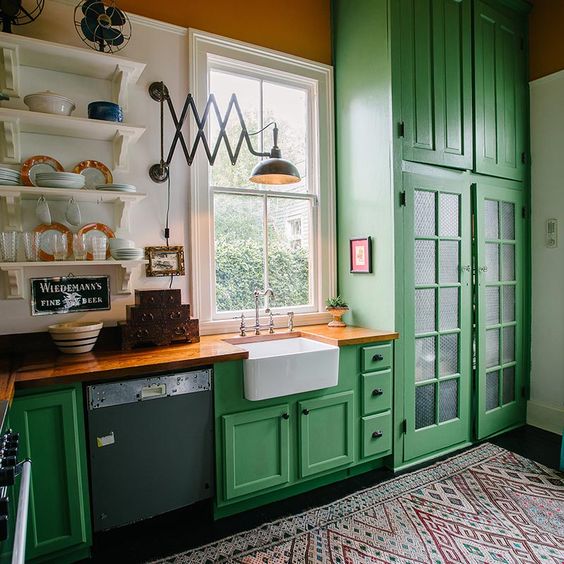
pixel 280 322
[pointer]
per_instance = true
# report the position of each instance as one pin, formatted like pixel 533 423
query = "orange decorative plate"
pixel 44 251
pixel 95 173
pixel 39 163
pixel 103 229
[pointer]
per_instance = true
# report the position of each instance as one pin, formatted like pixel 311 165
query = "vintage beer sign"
pixel 69 294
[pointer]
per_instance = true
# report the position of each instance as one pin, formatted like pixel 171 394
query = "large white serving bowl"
pixel 49 103
pixel 283 367
pixel 118 243
pixel 76 337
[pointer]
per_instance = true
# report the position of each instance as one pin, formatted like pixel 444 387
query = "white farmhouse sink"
pixel 289 366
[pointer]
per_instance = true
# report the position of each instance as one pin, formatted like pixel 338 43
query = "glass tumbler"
pixel 32 245
pixel 60 246
pixel 99 247
pixel 79 246
pixel 8 249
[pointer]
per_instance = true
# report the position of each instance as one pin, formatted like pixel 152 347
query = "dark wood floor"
pixel 187 528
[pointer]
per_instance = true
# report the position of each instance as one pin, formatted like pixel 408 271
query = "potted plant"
pixel 337 307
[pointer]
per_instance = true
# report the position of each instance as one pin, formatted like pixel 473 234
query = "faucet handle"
pixel 290 321
pixel 242 327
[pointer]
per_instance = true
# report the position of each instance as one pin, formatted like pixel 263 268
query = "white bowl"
pixel 75 338
pixel 50 103
pixel 117 243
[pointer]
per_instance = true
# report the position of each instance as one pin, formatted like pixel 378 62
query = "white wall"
pixel 165 51
pixel 546 406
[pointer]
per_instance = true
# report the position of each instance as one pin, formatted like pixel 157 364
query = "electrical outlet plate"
pixel 551 233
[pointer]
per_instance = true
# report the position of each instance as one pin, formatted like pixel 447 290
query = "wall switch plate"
pixel 551 233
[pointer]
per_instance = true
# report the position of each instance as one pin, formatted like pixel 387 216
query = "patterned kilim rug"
pixel 486 505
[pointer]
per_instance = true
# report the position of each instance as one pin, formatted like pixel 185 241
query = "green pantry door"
pixel 499 260
pixel 438 332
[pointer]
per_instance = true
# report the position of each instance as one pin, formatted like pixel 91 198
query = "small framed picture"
pixel 361 255
pixel 165 261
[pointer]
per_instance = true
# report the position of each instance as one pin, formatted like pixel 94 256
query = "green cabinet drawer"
pixel 377 357
pixel 376 434
pixel 376 392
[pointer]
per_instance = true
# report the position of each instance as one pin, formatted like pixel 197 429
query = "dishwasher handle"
pixel 151 392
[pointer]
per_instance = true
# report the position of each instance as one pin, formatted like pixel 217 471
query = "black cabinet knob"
pixel 377 358
pixel 377 392
pixel 377 434
pixel 285 416
pixel 305 411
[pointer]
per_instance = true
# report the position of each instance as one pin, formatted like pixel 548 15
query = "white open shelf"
pixel 17 50
pixel 14 122
pixel 12 196
pixel 14 273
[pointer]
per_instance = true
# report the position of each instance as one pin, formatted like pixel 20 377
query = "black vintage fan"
pixel 101 25
pixel 19 12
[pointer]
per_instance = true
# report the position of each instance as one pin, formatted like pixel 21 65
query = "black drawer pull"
pixel 305 411
pixel 377 392
pixel 285 416
pixel 377 434
pixel 377 358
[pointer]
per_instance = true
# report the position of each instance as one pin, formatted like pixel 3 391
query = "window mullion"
pixel 265 235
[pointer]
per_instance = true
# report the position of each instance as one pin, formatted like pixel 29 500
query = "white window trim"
pixel 203 47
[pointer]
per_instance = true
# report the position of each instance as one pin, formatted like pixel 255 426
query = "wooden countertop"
pixel 50 367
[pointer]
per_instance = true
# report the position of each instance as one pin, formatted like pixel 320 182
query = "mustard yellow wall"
pixel 546 36
pixel 299 27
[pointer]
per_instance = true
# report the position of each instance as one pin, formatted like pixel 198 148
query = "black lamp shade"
pixel 275 171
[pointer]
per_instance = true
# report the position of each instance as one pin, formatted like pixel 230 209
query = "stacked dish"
pixel 60 180
pixel 117 187
pixel 108 111
pixel 9 177
pixel 75 338
pixel 127 253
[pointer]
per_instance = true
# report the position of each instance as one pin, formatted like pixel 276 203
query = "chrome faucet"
pixel 257 295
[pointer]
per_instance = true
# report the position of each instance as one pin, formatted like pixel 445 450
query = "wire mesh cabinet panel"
pixel 438 298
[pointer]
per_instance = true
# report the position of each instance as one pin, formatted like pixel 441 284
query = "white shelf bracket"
pixel 120 84
pixel 10 70
pixel 14 282
pixel 124 278
pixel 121 143
pixel 10 141
pixel 11 211
pixel 122 211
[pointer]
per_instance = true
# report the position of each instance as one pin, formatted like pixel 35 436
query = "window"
pixel 249 236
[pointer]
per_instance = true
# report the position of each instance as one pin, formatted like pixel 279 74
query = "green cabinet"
pixel 51 427
pixel 436 82
pixel 326 433
pixel 500 83
pixel 257 450
pixel 499 259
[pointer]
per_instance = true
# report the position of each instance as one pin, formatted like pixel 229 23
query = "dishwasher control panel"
pixel 147 389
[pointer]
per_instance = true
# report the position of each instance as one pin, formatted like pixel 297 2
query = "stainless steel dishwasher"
pixel 151 446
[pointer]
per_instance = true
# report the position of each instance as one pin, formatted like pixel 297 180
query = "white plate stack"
pixel 116 187
pixel 9 177
pixel 60 180
pixel 131 253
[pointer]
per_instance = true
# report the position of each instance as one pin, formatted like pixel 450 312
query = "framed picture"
pixel 361 255
pixel 165 261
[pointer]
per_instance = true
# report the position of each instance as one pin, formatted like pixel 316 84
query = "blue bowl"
pixel 107 111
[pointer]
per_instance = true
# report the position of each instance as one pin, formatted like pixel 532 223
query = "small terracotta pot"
pixel 337 313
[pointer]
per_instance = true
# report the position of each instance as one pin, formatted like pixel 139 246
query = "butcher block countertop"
pixel 41 368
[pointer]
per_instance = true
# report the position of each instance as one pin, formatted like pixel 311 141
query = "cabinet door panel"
pixel 499 234
pixel 438 305
pixel 257 450
pixel 52 435
pixel 436 82
pixel 500 94
pixel 326 433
